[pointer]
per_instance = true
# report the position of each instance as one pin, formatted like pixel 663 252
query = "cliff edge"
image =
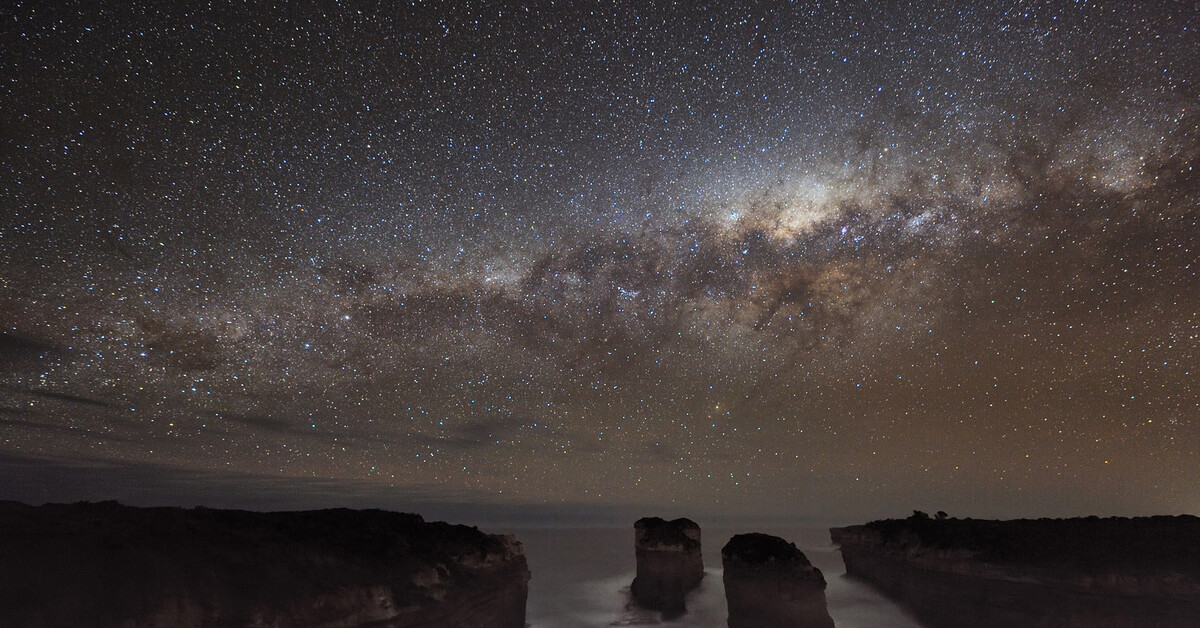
pixel 1093 572
pixel 103 564
pixel 669 564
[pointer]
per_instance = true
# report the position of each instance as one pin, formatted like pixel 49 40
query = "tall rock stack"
pixel 669 564
pixel 769 583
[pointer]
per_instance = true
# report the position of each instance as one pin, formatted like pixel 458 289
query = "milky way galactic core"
pixel 804 258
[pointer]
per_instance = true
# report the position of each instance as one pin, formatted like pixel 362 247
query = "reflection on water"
pixel 581 579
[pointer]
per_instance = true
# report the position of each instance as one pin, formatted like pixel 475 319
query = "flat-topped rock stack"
pixel 769 583
pixel 105 565
pixel 669 564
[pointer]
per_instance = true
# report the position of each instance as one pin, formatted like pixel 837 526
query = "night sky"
pixel 821 259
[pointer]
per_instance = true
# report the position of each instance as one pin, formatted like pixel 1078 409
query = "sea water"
pixel 581 579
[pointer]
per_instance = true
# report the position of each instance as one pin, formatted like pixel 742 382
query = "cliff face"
pixel 669 564
pixel 769 583
pixel 1094 573
pixel 109 565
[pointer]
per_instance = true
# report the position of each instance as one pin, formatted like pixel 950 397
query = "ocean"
pixel 581 579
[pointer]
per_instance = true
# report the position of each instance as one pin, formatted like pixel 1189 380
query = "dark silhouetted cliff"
pixel 1088 572
pixel 769 583
pixel 669 564
pixel 106 565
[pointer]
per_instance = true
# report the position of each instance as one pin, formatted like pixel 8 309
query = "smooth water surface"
pixel 581 579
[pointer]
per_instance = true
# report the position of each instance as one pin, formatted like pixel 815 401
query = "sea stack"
pixel 1093 572
pixel 107 566
pixel 769 583
pixel 669 564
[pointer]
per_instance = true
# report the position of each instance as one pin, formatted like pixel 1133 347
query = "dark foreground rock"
pixel 110 565
pixel 669 564
pixel 769 583
pixel 1092 572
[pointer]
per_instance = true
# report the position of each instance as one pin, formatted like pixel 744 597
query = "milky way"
pixel 811 259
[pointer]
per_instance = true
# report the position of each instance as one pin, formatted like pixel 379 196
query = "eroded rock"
pixel 669 564
pixel 769 583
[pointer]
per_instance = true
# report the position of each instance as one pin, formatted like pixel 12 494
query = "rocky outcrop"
pixel 1091 572
pixel 110 565
pixel 769 583
pixel 669 564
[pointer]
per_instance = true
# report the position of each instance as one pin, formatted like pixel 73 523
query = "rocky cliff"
pixel 1092 572
pixel 669 564
pixel 110 565
pixel 769 583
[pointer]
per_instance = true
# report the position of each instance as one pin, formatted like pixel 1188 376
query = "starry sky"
pixel 821 259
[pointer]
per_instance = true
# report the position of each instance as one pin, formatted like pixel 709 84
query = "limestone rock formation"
pixel 1098 573
pixel 769 583
pixel 669 564
pixel 107 565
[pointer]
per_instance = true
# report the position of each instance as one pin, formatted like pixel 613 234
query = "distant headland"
pixel 1093 572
